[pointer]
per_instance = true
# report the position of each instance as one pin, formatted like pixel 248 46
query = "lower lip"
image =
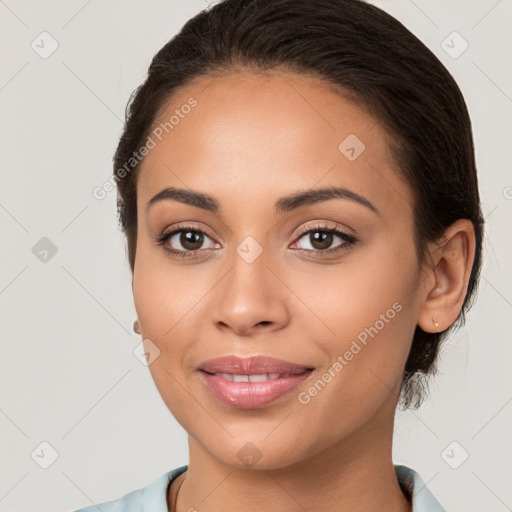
pixel 251 395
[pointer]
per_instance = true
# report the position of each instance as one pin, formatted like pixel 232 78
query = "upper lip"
pixel 252 365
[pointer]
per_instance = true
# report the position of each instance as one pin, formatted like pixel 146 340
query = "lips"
pixel 251 382
pixel 261 377
pixel 253 365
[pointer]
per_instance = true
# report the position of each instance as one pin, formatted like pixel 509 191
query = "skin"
pixel 251 140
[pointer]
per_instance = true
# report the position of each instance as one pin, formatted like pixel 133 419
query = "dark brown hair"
pixel 362 52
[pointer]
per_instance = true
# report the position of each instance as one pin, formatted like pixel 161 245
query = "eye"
pixel 320 239
pixel 188 241
pixel 185 241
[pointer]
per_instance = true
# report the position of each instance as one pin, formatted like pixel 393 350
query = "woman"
pixel 298 190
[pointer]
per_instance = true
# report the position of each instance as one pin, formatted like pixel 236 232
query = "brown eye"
pixel 191 240
pixel 320 240
pixel 186 241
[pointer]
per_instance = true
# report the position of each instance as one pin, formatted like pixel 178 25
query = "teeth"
pixel 251 378
pixel 256 378
pixel 240 378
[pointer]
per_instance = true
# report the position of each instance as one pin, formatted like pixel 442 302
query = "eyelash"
pixel 348 239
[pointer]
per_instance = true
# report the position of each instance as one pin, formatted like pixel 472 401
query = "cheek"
pixel 165 293
pixel 372 287
pixel 164 301
pixel 368 312
pixel 372 330
pixel 171 301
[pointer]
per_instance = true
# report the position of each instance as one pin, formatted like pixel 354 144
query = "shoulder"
pixel 151 498
pixel 416 489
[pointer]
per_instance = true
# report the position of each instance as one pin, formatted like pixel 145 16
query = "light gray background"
pixel 67 372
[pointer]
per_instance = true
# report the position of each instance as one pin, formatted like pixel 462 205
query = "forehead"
pixel 255 136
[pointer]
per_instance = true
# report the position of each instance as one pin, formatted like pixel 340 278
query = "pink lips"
pixel 251 382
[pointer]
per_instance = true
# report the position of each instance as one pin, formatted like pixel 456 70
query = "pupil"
pixel 189 238
pixel 321 239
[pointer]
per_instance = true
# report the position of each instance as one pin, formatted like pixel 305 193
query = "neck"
pixel 356 473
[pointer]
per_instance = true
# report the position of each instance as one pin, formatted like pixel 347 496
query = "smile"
pixel 253 378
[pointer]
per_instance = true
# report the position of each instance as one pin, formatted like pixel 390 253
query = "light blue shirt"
pixel 153 497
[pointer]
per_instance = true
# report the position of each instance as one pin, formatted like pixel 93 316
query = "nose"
pixel 250 299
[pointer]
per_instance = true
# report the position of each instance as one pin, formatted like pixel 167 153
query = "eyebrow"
pixel 283 205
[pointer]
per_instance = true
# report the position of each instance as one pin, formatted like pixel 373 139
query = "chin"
pixel 257 455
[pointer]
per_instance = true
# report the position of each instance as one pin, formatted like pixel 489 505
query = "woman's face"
pixel 268 277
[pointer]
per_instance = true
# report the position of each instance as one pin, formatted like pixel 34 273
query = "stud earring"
pixel 136 327
pixel 434 321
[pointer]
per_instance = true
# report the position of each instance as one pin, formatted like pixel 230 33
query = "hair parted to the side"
pixel 365 54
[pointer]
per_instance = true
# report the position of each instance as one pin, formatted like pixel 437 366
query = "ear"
pixel 446 280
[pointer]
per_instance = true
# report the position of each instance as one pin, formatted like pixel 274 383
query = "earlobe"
pixel 447 282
